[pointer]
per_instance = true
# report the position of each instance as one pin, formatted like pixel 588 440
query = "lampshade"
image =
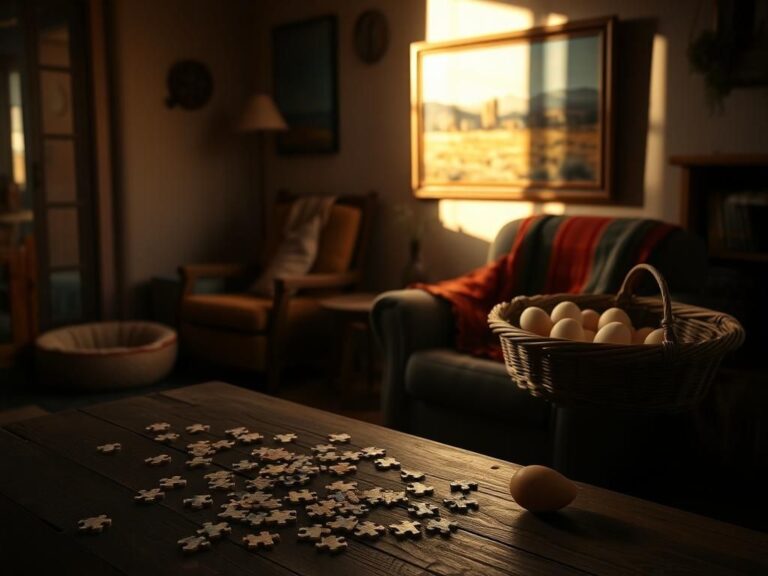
pixel 261 114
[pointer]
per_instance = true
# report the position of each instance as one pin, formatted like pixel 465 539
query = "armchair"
pixel 430 388
pixel 246 331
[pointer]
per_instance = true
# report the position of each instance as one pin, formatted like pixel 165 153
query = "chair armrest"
pixel 405 321
pixel 316 281
pixel 191 273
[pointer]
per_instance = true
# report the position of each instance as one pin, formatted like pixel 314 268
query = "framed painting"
pixel 524 115
pixel 305 85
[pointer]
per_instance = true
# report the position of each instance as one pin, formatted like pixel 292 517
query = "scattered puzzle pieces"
pixel 342 469
pixel 264 540
pixel 273 455
pixel 198 462
pixel 232 512
pixel 172 483
pixel 149 496
pixel 244 466
pixel 342 524
pixel 221 484
pixel 419 489
pixel 158 460
pixel 199 445
pixel 197 428
pixel 313 533
pixel 463 486
pixel 328 458
pixel 391 498
pixel 167 437
pixel 255 519
pixel 322 509
pixel 341 486
pixel 281 517
pixel 271 504
pixel 291 480
pixel 386 464
pixel 218 475
pixel 95 524
pixel 339 438
pixel 158 427
pixel 198 501
pixel 369 530
pixel 411 475
pixel 350 456
pixel 332 544
pixel 112 448
pixel 323 448
pixel 423 510
pixel 250 438
pixel 260 484
pixel 220 445
pixel 371 452
pixel 235 432
pixel 461 504
pixel 350 509
pixel 302 497
pixel 285 438
pixel 214 531
pixel 272 470
pixel 373 495
pixel 406 529
pixel 442 526
pixel 192 544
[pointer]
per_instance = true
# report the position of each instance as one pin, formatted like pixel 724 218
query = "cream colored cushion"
pixel 294 256
pixel 106 355
pixel 338 240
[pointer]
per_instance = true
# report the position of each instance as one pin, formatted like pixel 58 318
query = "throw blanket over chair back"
pixel 549 254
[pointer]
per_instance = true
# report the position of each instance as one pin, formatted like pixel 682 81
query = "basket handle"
pixel 626 292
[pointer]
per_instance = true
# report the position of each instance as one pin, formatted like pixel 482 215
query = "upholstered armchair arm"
pixel 191 273
pixel 405 321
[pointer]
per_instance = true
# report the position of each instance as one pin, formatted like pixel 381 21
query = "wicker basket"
pixel 663 377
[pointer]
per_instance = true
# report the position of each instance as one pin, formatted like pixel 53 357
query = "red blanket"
pixel 550 254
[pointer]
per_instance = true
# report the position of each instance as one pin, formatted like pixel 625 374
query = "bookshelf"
pixel 724 199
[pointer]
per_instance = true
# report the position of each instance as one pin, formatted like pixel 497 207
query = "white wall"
pixel 187 183
pixel 375 106
pixel 185 186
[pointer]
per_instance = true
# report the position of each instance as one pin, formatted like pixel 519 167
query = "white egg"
pixel 567 329
pixel 534 319
pixel 566 309
pixel 589 335
pixel 655 337
pixel 614 315
pixel 613 333
pixel 641 334
pixel 589 319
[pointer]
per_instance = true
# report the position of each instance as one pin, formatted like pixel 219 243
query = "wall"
pixel 663 112
pixel 185 177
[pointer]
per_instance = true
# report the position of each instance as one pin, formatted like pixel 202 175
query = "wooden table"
pixel 52 476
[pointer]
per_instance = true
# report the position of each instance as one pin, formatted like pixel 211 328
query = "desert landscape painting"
pixel 521 113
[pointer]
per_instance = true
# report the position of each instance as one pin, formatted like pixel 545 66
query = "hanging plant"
pixel 711 55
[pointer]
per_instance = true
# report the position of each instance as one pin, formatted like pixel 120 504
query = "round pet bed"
pixel 106 355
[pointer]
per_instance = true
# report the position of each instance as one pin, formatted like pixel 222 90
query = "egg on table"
pixel 541 489
pixel 566 309
pixel 534 319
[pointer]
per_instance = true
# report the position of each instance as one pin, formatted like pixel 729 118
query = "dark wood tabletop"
pixel 52 476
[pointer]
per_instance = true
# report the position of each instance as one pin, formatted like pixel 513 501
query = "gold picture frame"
pixel 523 115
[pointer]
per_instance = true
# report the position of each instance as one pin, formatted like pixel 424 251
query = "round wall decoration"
pixel 190 85
pixel 371 36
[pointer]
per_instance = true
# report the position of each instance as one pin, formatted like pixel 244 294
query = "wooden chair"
pixel 242 330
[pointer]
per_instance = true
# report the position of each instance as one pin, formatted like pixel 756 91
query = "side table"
pixel 351 317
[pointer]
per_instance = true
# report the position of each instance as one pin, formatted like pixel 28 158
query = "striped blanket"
pixel 550 254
